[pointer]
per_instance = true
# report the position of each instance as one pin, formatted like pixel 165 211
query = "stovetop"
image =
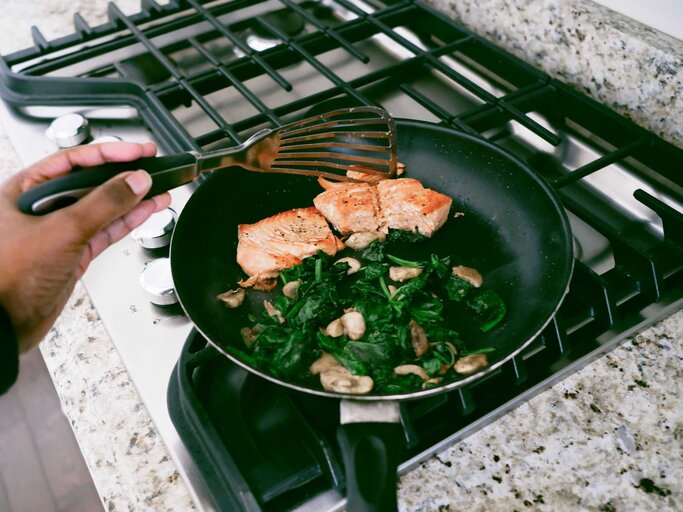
pixel 200 75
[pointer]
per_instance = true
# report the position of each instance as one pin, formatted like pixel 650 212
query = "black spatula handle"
pixel 167 172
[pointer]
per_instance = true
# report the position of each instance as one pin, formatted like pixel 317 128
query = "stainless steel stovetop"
pixel 149 338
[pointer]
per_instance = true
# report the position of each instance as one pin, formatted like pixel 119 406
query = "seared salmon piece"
pixel 280 241
pixel 405 204
pixel 350 207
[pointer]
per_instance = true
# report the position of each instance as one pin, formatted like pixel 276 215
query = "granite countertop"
pixel 609 437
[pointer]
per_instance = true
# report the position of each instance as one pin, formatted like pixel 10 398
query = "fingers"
pixel 121 227
pixel 124 225
pixel 81 156
pixel 104 204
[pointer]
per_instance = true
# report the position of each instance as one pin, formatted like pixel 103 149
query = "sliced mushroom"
pixel 324 363
pixel 407 369
pixel 362 239
pixel 341 381
pixel 334 329
pixel 354 325
pixel 392 289
pixel 418 338
pixel 248 335
pixel 233 298
pixel 431 382
pixel 400 274
pixel 471 275
pixel 451 347
pixel 291 289
pixel 354 264
pixel 273 311
pixel 470 364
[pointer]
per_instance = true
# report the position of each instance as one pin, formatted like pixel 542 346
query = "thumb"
pixel 106 203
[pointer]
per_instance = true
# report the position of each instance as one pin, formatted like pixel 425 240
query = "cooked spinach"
pixel 326 291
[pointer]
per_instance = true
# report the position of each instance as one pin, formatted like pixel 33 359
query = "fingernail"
pixel 139 182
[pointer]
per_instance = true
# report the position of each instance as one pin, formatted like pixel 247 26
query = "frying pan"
pixel 514 231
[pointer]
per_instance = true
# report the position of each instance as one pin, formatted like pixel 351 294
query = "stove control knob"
pixel 156 231
pixel 69 130
pixel 157 282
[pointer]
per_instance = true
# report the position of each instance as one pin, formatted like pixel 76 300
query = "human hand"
pixel 43 257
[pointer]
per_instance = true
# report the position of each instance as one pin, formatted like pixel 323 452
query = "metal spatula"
pixel 359 139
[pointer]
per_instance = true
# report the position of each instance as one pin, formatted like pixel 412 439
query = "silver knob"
pixel 157 282
pixel 105 138
pixel 69 130
pixel 156 231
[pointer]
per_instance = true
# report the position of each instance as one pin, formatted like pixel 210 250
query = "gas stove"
pixel 197 74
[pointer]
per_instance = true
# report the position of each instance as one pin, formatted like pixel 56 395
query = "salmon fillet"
pixel 405 204
pixel 350 207
pixel 280 241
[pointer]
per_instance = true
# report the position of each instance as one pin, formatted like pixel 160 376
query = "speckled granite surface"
pixel 609 437
pixel 632 68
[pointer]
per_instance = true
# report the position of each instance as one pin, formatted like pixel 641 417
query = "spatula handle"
pixel 167 172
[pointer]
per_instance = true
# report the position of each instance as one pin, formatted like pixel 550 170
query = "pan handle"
pixel 371 443
pixel 167 172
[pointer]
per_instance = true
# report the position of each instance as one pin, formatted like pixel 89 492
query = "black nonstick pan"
pixel 514 231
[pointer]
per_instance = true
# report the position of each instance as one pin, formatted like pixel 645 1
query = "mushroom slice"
pixel 334 329
pixel 232 298
pixel 471 275
pixel 291 289
pixel 418 338
pixel 324 363
pixel 354 264
pixel 434 381
pixel 470 364
pixel 362 239
pixel 248 335
pixel 273 311
pixel 407 369
pixel 354 325
pixel 400 274
pixel 392 289
pixel 340 380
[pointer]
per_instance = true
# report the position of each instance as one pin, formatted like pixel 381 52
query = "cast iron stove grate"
pixel 176 64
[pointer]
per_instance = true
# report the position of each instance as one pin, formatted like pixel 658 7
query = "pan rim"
pixel 451 386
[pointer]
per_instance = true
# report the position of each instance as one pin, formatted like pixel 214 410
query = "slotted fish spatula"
pixel 359 139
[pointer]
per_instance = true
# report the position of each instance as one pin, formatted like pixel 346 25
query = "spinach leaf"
pixel 374 270
pixel 432 366
pixel 283 351
pixel 442 266
pixel 373 252
pixel 320 304
pixel 487 307
pixel 397 235
pixel 412 287
pixel 405 263
pixel 398 384
pixel 457 288
pixel 426 309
